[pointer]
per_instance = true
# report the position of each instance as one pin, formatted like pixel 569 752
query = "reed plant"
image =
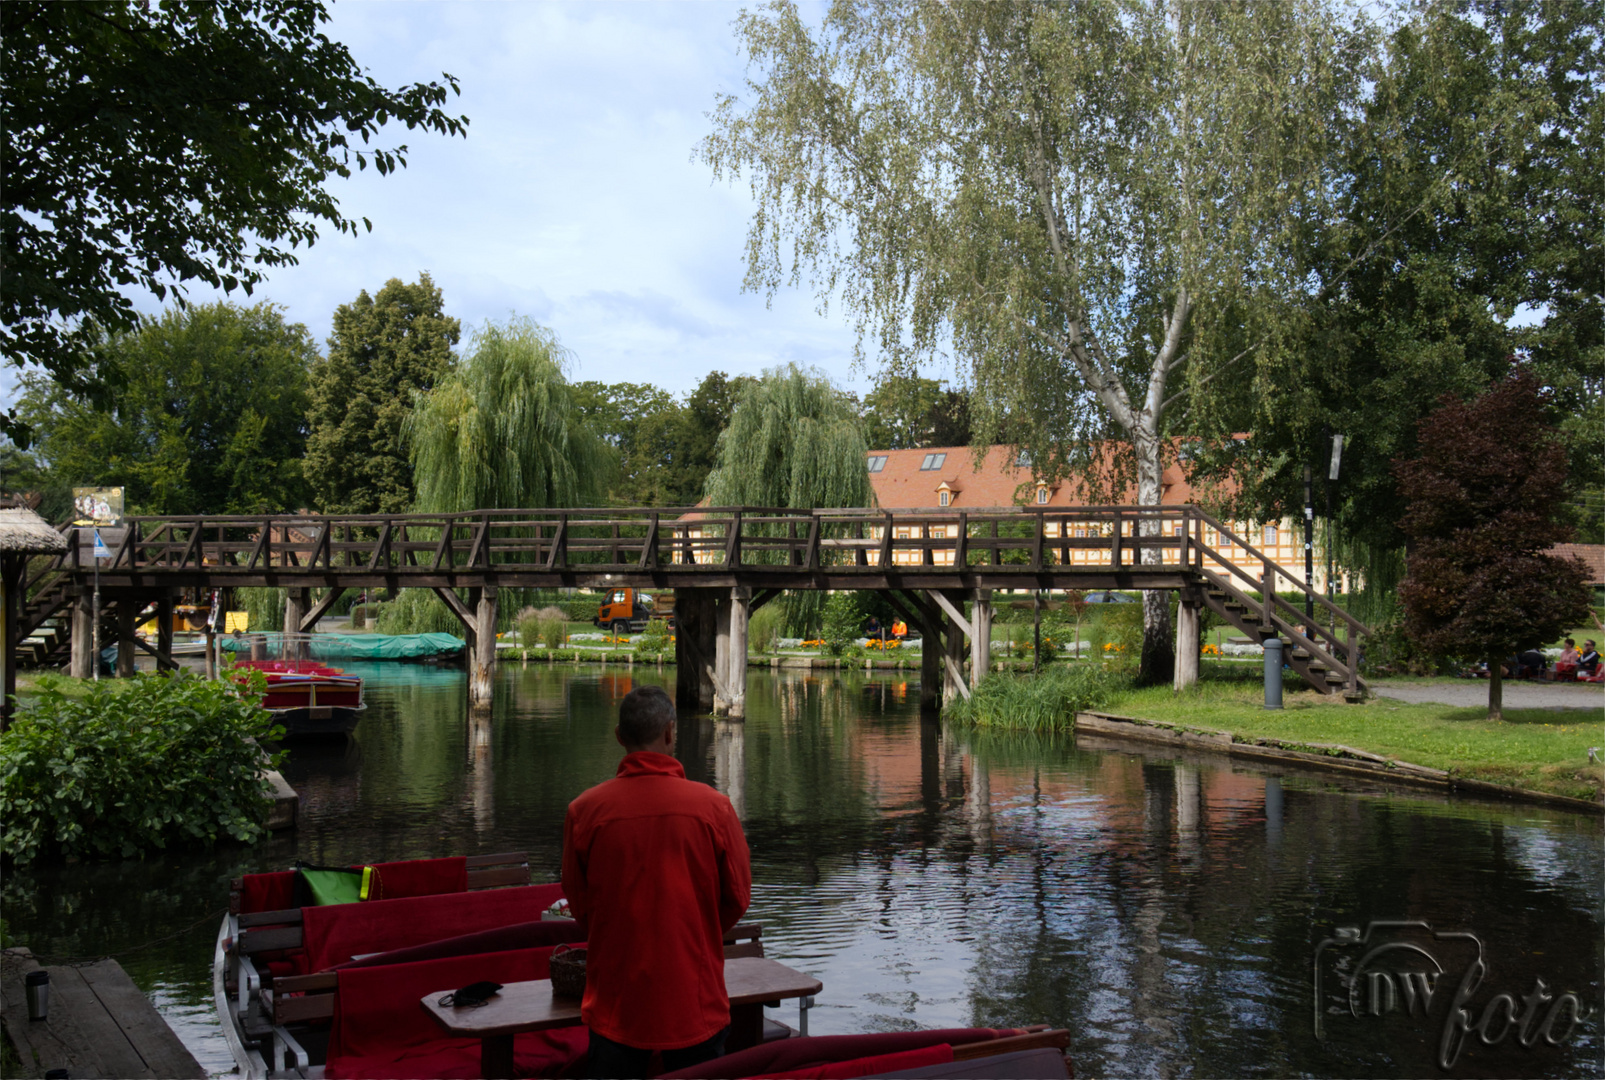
pixel 1045 702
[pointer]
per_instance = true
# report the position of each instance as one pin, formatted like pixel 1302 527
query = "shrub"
pixel 840 622
pixel 654 640
pixel 553 627
pixel 1046 702
pixel 135 765
pixel 264 606
pixel 763 629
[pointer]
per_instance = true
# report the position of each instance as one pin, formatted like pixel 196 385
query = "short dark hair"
pixel 645 715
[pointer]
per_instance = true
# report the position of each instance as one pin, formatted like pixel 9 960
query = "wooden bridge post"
pixel 83 636
pixel 127 608
pixel 1187 623
pixel 953 671
pixel 296 602
pixel 721 655
pixel 694 648
pixel 980 635
pixel 735 677
pixel 164 628
pixel 482 664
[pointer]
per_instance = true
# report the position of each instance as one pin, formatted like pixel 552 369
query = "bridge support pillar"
pixel 296 602
pixel 164 630
pixel 1187 643
pixel 83 637
pixel 127 609
pixel 721 655
pixel 735 668
pixel 694 648
pixel 980 635
pixel 931 666
pixel 953 666
pixel 482 661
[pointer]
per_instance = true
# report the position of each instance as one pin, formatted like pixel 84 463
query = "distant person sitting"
pixel 1588 662
pixel 1533 664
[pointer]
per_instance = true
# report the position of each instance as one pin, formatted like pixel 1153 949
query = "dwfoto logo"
pixel 1405 967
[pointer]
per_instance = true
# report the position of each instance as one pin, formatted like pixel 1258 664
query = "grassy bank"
pixel 1536 749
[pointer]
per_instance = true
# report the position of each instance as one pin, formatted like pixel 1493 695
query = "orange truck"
pixel 627 611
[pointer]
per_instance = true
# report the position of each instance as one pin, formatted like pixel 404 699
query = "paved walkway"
pixel 1517 695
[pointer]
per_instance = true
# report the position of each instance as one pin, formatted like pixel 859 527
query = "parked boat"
pixel 309 699
pixel 308 990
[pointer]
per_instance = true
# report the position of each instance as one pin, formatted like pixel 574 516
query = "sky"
pixel 575 199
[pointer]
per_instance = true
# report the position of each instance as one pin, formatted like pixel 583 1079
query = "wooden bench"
pixel 99 1024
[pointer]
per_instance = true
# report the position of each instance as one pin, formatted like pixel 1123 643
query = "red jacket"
pixel 655 867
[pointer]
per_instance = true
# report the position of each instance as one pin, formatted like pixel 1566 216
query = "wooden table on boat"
pixel 751 982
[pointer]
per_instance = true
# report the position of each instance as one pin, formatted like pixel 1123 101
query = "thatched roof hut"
pixel 23 532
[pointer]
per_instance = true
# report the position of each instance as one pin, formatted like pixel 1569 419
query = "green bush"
pixel 763 629
pixel 134 765
pixel 264 606
pixel 654 640
pixel 840 623
pixel 1045 702
pixel 553 626
pixel 417 611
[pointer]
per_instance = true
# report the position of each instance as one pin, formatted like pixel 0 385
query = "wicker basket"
pixel 568 972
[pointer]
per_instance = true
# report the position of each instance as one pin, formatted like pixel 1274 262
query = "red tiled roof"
pixel 1592 555
pixel 901 484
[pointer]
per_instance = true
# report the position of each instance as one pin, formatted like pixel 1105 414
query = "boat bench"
pixel 972 1049
pixel 299 1004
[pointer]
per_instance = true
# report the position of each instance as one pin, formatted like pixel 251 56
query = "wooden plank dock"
pixel 99 1024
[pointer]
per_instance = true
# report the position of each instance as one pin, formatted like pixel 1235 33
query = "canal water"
pixel 1180 915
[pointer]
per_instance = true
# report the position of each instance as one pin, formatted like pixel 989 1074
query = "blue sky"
pixel 575 198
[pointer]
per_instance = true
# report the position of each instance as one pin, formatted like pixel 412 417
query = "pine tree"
pixel 384 349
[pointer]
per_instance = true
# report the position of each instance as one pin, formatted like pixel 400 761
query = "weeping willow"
pixel 1377 571
pixel 501 430
pixel 793 441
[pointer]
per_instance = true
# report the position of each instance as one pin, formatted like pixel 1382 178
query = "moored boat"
pixel 308 698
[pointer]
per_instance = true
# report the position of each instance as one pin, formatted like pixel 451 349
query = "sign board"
pixel 101 550
pixel 97 506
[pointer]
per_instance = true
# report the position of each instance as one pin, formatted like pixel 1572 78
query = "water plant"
pixel 1045 702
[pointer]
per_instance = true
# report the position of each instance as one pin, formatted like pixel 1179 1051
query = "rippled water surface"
pixel 1169 910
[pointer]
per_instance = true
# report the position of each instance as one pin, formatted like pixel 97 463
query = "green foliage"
pixel 1045 702
pixel 132 766
pixel 654 640
pixel 384 351
pixel 906 411
pixel 209 417
pixel 642 424
pixel 840 623
pixel 417 611
pixel 264 606
pixel 552 627
pixel 764 628
pixel 502 429
pixel 703 418
pixel 149 145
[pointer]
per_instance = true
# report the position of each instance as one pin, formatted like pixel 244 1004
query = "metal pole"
pixel 1309 557
pixel 1273 672
pixel 94 662
pixel 1036 645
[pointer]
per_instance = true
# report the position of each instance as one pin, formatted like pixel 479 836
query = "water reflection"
pixel 1163 907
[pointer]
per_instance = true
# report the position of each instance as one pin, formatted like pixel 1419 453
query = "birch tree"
pixel 1088 207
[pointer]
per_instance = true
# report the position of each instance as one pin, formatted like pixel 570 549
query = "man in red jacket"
pixel 655 868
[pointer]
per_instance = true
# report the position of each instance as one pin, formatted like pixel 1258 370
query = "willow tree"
pixel 1089 203
pixel 793 441
pixel 501 429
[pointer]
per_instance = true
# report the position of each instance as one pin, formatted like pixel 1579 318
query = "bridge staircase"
pixel 1322 650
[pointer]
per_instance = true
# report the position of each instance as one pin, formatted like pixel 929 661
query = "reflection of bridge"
pixel 722 563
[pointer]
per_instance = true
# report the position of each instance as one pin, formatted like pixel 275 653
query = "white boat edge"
pixel 247 1062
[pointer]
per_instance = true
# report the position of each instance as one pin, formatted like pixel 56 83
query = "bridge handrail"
pixel 1265 560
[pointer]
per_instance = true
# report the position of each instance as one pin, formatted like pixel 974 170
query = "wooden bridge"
pixel 723 564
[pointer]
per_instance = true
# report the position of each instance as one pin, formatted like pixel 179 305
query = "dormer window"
pixel 932 462
pixel 944 498
pixel 1024 460
pixel 1042 494
pixel 877 462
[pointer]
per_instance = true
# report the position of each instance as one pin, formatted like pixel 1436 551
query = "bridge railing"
pixel 427 545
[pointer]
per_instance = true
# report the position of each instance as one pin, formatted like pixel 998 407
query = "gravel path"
pixel 1517 695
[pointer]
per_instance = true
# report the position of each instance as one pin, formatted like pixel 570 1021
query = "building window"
pixel 1042 496
pixel 1270 536
pixel 944 498
pixel 877 462
pixel 932 461
pixel 1024 460
pixel 902 533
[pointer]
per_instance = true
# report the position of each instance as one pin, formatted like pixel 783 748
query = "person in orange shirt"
pixel 656 869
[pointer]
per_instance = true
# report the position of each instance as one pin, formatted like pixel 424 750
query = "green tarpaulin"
pixel 356 646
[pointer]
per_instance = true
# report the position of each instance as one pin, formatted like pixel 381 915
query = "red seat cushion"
pixel 333 935
pixel 787 1055
pixel 939 1054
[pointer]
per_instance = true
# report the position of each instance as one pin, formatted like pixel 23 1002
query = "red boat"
pixel 309 699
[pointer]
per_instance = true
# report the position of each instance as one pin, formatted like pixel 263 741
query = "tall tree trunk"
pixel 1158 663
pixel 1496 689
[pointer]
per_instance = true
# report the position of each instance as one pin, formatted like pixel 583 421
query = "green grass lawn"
pixel 1538 749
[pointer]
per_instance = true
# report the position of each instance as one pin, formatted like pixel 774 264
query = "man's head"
pixel 646 721
pixel 1589 645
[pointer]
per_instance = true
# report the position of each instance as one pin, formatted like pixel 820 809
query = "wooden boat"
pixel 335 991
pixel 309 699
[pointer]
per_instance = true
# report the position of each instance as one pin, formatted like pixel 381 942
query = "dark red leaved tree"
pixel 1484 496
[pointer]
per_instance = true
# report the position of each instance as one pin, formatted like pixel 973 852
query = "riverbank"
pixel 1538 752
